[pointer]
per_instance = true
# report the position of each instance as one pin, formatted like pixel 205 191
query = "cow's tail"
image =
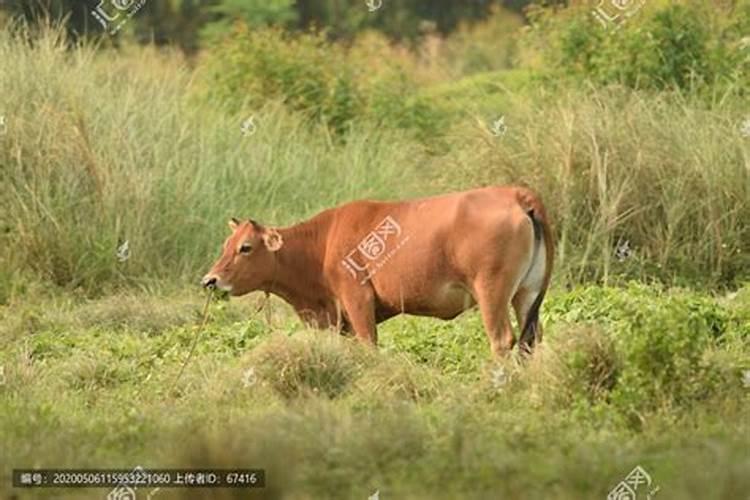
pixel 537 278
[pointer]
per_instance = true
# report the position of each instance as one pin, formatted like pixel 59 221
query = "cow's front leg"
pixel 358 301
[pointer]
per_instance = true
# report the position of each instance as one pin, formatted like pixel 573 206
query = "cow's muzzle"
pixel 209 282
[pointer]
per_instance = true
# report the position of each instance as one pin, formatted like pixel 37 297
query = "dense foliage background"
pixel 188 23
pixel 632 135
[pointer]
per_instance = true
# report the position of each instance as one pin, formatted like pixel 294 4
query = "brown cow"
pixel 358 264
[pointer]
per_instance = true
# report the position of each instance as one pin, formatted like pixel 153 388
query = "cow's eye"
pixel 246 248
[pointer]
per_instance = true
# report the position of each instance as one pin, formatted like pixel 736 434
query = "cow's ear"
pixel 273 240
pixel 233 224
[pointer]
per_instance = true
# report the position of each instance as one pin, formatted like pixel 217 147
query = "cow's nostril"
pixel 209 282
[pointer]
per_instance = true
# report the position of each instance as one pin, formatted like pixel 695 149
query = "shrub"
pixel 305 72
pixel 305 364
pixel 397 379
pixel 253 12
pixel 656 350
pixel 485 46
pixel 324 81
pixel 688 46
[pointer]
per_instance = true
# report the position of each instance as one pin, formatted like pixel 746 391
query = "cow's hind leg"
pixel 528 298
pixel 493 297
pixel 526 303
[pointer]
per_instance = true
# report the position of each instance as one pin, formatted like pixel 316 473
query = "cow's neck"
pixel 298 270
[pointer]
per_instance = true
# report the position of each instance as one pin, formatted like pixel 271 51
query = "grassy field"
pixel 645 360
pixel 627 376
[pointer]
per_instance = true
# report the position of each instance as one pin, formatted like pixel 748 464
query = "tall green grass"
pixel 107 146
pixel 661 171
pixel 104 146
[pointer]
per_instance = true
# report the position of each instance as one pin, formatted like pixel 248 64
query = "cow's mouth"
pixel 215 284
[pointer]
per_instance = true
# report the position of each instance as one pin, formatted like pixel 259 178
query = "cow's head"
pixel 247 260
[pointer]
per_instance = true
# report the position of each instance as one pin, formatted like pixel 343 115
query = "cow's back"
pixel 420 256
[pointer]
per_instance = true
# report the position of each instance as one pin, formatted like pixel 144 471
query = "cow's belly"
pixel 445 301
